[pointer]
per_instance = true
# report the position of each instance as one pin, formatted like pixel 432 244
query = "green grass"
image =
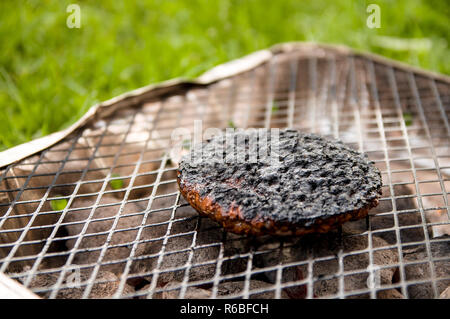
pixel 116 183
pixel 58 204
pixel 50 74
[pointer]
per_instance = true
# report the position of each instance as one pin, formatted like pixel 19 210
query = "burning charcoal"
pixel 328 245
pixel 418 268
pixel 179 242
pixel 173 291
pixel 38 183
pixel 190 293
pixel 432 204
pixel 390 294
pixel 152 236
pixel 163 223
pixel 205 254
pixel 235 288
pixel 445 294
pixel 382 217
pixel 271 253
pixel 122 149
pixel 381 257
pixel 225 289
pixel 66 158
pixel 439 216
pixel 105 286
pixel 234 245
pixel 41 281
pixel 180 239
pixel 101 224
pixel 359 263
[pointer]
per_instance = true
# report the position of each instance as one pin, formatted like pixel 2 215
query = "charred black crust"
pixel 316 182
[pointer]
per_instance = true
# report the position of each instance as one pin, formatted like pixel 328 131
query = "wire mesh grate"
pixel 124 231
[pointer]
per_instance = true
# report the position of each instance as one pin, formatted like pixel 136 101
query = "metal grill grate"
pixel 127 233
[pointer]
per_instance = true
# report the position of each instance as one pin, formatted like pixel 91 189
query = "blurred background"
pixel 51 74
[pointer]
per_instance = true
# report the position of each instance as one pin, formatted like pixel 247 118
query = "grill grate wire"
pixel 398 117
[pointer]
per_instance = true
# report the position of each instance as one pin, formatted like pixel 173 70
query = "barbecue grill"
pixel 94 211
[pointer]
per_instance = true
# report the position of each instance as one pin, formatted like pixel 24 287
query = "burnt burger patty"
pixel 315 184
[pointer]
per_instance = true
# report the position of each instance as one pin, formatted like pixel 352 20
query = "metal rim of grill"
pixel 396 114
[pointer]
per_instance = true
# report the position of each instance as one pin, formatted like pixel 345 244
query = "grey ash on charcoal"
pixel 303 177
